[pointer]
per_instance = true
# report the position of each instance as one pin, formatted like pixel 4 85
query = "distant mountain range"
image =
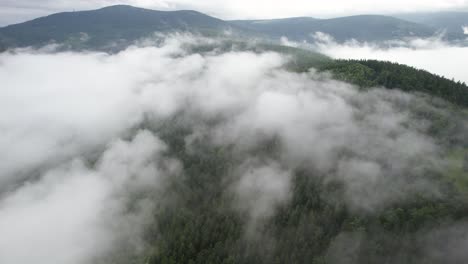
pixel 362 28
pixel 118 26
pixel 113 25
pixel 451 22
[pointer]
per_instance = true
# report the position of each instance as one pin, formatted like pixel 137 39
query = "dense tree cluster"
pixel 370 73
pixel 200 225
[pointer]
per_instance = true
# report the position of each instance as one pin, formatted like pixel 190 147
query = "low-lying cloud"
pixel 74 156
pixel 433 54
pixel 79 212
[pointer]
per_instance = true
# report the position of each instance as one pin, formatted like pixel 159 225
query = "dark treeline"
pixel 370 73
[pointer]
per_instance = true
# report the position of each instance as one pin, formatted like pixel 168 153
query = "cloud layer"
pixel 78 164
pixel 433 54
pixel 78 212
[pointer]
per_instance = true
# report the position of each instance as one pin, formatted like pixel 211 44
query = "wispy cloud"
pixel 432 54
pixel 74 155
pixel 465 30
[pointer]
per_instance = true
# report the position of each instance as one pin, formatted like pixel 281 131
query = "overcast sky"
pixel 14 11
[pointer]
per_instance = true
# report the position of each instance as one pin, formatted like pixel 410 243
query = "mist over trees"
pixel 371 73
pixel 200 150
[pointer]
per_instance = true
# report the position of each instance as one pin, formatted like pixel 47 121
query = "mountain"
pixel 451 22
pixel 115 24
pixel 372 73
pixel 225 157
pixel 361 28
pixel 116 27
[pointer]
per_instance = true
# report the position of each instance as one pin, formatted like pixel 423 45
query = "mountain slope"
pixel 372 73
pixel 451 22
pixel 361 28
pixel 107 25
pixel 116 27
pixel 251 164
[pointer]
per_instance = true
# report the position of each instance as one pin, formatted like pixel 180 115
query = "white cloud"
pixel 465 30
pixel 431 54
pixel 79 213
pixel 259 189
pixel 286 42
pixel 68 172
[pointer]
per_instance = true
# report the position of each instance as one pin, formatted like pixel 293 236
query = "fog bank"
pixel 433 54
pixel 80 177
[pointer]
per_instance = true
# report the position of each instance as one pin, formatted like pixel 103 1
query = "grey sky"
pixel 14 11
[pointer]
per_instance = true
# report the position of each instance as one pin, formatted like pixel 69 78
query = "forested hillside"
pixel 318 223
pixel 217 145
pixel 110 28
pixel 370 28
pixel 202 228
pixel 450 22
pixel 116 27
pixel 371 73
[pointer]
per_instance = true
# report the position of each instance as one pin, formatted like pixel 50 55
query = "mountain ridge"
pixel 450 22
pixel 106 25
pixel 359 27
pixel 121 25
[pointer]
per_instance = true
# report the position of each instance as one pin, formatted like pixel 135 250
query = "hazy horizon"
pixel 13 12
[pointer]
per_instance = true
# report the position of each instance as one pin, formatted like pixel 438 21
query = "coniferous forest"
pixel 139 136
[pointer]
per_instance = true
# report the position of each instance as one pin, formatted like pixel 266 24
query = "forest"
pixel 193 149
pixel 371 73
pixel 317 225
